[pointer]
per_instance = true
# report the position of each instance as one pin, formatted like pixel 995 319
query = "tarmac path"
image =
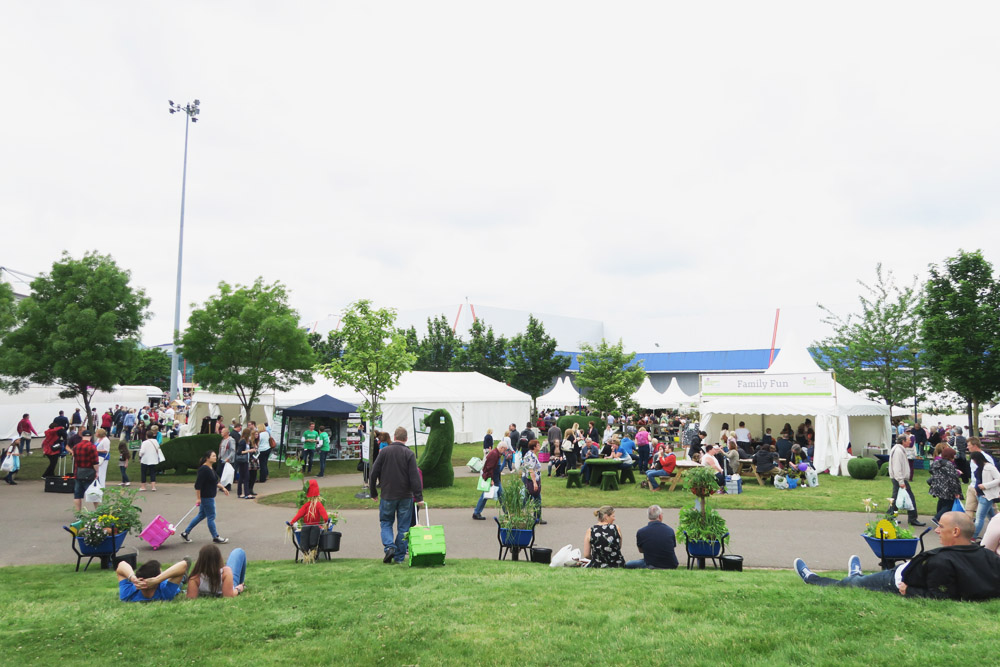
pixel 31 529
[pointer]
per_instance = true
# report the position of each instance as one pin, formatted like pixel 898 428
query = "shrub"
pixel 435 462
pixel 883 469
pixel 567 421
pixel 183 454
pixel 861 468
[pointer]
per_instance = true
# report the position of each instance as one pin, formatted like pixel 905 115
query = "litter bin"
pixel 732 563
pixel 540 555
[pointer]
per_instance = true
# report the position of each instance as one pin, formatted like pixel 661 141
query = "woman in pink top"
pixel 642 449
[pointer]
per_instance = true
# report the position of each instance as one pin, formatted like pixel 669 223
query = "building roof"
pixel 697 362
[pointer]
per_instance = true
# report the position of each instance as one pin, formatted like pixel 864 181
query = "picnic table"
pixel 679 470
pixel 598 466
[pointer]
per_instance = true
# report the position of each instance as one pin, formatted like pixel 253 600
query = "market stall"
pixel 340 419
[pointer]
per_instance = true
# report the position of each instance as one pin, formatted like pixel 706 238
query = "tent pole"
pixel 281 442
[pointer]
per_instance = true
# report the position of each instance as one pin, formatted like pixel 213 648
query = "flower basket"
pixel 109 545
pixel 515 537
pixel 898 548
pixel 703 549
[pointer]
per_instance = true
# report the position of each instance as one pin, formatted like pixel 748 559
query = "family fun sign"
pixel 791 384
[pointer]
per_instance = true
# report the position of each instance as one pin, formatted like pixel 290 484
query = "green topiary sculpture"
pixel 862 468
pixel 883 470
pixel 435 462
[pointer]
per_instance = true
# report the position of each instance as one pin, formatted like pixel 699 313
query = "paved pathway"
pixel 32 533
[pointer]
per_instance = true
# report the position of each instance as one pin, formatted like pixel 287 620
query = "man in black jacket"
pixel 395 471
pixel 958 570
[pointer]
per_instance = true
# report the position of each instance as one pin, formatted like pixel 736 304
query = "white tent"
pixel 206 404
pixel 42 402
pixel 990 419
pixel 844 417
pixel 474 401
pixel 560 396
pixel 649 398
pixel 674 396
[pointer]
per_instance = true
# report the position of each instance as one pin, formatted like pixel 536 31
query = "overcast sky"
pixel 625 162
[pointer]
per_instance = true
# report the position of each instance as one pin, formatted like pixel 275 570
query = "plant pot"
pixel 107 546
pixel 515 537
pixel 330 541
pixel 895 548
pixel 541 555
pixel 703 549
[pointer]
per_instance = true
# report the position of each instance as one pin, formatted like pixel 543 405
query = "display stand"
pixel 354 440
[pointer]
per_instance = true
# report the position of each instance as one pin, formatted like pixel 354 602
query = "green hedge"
pixel 435 461
pixel 567 421
pixel 861 468
pixel 183 454
pixel 883 469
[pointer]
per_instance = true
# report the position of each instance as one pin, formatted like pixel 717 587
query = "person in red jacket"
pixel 666 462
pixel 106 420
pixel 52 448
pixel 25 429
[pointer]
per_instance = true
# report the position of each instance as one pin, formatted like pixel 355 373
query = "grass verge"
pixel 482 612
pixel 833 494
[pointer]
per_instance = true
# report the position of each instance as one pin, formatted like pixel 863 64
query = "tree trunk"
pixel 974 425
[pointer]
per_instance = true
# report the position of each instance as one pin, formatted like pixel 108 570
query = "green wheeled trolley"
pixel 425 544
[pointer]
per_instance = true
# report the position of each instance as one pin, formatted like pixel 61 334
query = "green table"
pixel 597 466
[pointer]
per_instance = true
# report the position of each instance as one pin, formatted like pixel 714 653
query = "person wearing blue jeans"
pixel 492 467
pixel 395 472
pixel 957 570
pixel 986 480
pixel 211 579
pixel 206 486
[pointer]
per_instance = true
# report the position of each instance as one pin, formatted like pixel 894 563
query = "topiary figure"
pixel 883 469
pixel 860 468
pixel 435 462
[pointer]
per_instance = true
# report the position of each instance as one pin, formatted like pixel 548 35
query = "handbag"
pixel 484 484
pixel 566 446
pixel 86 474
pixel 243 458
pixel 160 458
pixel 957 506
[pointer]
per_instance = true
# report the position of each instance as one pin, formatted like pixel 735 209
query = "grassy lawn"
pixel 483 612
pixel 832 494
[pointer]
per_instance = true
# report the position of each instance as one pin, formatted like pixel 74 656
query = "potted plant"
pixel 517 513
pixel 888 539
pixel 705 529
pixel 115 517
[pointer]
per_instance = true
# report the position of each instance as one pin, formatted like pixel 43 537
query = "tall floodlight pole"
pixel 191 111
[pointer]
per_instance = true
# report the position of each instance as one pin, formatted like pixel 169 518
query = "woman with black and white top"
pixel 206 487
pixel 149 458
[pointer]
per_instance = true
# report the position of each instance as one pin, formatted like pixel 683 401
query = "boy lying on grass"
pixel 148 583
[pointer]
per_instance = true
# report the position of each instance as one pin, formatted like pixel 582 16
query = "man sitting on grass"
pixel 148 583
pixel 958 570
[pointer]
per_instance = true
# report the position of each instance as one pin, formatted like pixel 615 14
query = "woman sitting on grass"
pixel 603 542
pixel 210 578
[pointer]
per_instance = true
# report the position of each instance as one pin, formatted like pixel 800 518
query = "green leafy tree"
pixel 412 341
pixel 435 461
pixel 485 352
pixel 961 328
pixel 375 355
pixel 875 350
pixel 7 308
pixel 78 329
pixel 610 374
pixel 533 362
pixel 438 348
pixel 326 349
pixel 247 339
pixel 151 367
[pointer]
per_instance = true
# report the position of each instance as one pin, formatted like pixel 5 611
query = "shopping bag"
pixel 957 506
pixel 228 472
pixel 903 500
pixel 562 557
pixel 780 482
pixel 492 493
pixel 484 484
pixel 8 464
pixel 94 493
pixel 812 477
pixel 517 460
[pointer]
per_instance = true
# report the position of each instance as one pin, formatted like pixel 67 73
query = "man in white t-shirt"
pixel 743 437
pixel 168 417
